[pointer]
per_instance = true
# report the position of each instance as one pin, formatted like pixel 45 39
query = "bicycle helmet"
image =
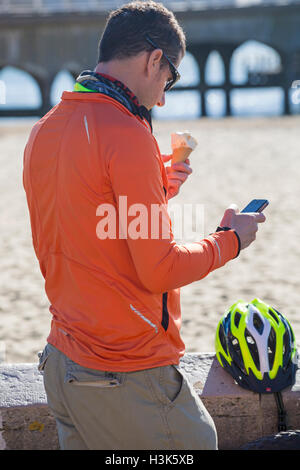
pixel 256 345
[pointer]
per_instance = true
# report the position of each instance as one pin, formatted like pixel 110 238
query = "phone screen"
pixel 256 205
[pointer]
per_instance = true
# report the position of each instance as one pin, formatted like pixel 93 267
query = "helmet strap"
pixel 282 426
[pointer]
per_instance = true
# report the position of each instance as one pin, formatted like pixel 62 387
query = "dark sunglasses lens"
pixel 169 85
pixel 172 82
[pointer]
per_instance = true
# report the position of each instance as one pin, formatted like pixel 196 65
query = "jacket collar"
pixel 94 82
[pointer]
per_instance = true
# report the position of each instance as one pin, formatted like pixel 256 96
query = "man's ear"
pixel 154 60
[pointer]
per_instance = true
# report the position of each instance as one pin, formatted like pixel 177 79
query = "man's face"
pixel 155 95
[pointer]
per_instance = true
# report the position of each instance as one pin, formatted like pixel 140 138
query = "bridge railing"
pixel 66 6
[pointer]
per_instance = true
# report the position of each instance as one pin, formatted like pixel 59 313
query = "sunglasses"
pixel 173 69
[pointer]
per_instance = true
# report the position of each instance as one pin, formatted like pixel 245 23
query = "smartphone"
pixel 256 205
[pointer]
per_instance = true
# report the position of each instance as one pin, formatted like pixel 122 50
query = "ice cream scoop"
pixel 182 144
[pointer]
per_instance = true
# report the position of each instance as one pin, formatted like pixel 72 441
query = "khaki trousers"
pixel 148 409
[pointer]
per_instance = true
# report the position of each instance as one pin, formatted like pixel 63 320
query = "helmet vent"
pixel 222 338
pixel 271 347
pixel 258 323
pixel 252 348
pixel 237 318
pixel 286 349
pixel 274 316
pixel 236 352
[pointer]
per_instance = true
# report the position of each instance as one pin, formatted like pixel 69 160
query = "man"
pixel 111 363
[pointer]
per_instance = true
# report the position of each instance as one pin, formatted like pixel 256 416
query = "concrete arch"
pixel 200 52
pixel 225 50
pixel 25 85
pixel 42 79
pixel 62 81
pixel 267 60
pixel 256 65
pixel 34 72
pixel 215 61
pixel 189 62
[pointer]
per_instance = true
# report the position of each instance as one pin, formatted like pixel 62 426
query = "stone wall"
pixel 240 416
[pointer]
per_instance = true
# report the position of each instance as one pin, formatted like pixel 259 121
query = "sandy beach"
pixel 236 160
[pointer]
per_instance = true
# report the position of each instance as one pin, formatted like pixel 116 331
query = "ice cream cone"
pixel 182 145
pixel 180 154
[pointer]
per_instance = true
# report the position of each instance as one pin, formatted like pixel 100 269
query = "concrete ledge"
pixel 240 416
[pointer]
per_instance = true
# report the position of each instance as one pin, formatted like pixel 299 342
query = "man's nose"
pixel 162 100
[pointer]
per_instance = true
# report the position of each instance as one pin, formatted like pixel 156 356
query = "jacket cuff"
pixel 226 229
pixel 239 242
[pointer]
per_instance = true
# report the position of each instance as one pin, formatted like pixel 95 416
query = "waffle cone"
pixel 180 154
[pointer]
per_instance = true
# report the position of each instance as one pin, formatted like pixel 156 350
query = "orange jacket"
pixel 115 302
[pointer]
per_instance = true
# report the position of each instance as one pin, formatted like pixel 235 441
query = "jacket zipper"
pixel 165 313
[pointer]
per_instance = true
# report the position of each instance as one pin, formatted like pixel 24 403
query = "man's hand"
pixel 177 174
pixel 245 224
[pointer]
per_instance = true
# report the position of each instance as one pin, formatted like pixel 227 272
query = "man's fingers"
pixel 234 207
pixel 182 166
pixel 230 212
pixel 259 217
pixel 182 177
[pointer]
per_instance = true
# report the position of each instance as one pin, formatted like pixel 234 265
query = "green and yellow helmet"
pixel 256 345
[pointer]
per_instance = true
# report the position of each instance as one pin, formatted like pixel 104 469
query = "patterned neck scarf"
pixel 94 82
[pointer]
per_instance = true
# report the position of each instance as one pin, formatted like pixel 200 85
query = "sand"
pixel 236 160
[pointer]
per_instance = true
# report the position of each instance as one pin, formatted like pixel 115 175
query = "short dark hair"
pixel 126 28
